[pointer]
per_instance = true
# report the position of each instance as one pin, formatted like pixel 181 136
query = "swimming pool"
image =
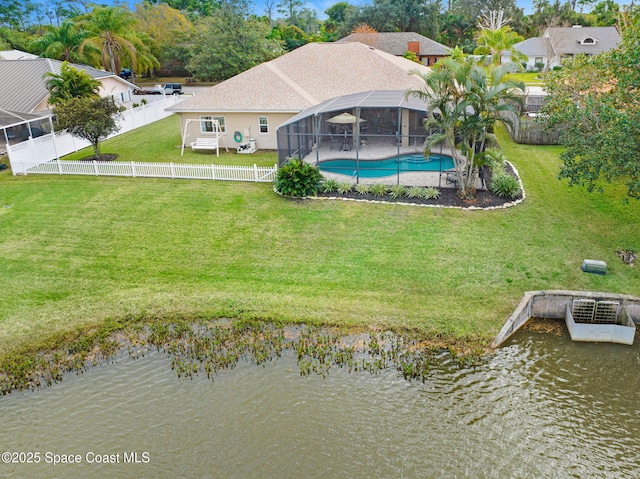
pixel 388 166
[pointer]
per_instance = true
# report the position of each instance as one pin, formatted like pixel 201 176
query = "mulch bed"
pixel 448 197
pixel 103 157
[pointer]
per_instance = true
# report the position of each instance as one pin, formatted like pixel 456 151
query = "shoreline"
pixel 210 346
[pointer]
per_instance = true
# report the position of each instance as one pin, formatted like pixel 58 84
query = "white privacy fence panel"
pixel 259 174
pixel 32 152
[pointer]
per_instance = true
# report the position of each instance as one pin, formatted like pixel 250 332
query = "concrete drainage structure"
pixel 596 320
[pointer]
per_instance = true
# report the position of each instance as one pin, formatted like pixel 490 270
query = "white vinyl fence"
pixel 253 173
pixel 36 151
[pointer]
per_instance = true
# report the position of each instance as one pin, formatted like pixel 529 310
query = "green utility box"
pixel 594 266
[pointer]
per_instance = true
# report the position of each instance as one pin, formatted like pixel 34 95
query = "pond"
pixel 542 406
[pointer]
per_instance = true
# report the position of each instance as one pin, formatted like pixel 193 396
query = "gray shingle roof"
pixel 305 77
pixel 367 99
pixel 534 47
pixel 567 40
pixel 397 43
pixel 24 84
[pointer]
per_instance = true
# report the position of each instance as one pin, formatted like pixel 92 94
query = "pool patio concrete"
pixel 377 149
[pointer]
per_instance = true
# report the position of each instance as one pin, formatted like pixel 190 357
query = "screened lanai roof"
pixel 367 99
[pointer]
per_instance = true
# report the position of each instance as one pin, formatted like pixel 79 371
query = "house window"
pixel 206 123
pixel 263 124
pixel 588 41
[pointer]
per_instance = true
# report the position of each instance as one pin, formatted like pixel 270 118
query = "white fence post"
pixel 95 167
pixel 213 172
pixel 255 172
pixel 173 171
pixel 59 166
pixel 133 169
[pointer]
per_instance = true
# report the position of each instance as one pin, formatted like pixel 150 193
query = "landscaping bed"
pixel 448 197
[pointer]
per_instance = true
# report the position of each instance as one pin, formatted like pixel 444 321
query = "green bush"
pixel 505 186
pixel 430 193
pixel 495 160
pixel 378 190
pixel 363 189
pixel 415 192
pixel 298 178
pixel 344 187
pixel 397 191
pixel 329 186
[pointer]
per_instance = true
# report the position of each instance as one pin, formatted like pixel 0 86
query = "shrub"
pixel 378 190
pixel 363 189
pixel 430 193
pixel 298 178
pixel 505 186
pixel 329 186
pixel 495 160
pixel 397 191
pixel 415 192
pixel 344 187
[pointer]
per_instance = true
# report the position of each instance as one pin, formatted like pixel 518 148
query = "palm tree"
pixel 494 42
pixel 70 83
pixel 110 32
pixel 464 103
pixel 61 43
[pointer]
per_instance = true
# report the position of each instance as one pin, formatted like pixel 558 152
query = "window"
pixel 588 41
pixel 206 123
pixel 263 124
pixel 539 60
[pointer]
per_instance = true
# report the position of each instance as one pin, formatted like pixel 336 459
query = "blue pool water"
pixel 388 166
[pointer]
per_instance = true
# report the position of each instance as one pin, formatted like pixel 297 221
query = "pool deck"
pixel 381 151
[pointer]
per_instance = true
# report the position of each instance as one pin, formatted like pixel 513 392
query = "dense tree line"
pixel 215 39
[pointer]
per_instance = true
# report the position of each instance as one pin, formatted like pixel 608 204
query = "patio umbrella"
pixel 344 119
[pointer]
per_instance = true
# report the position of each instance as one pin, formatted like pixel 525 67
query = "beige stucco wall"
pixel 245 123
pixel 115 87
pixel 109 86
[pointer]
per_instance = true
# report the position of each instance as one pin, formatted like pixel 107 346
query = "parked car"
pixel 125 73
pixel 156 90
pixel 172 89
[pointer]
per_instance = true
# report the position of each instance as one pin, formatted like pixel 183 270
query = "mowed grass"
pixel 529 78
pixel 161 141
pixel 76 252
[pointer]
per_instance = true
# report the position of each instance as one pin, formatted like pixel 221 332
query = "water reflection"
pixel 542 407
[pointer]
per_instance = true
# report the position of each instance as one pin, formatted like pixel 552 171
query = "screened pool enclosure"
pixel 370 137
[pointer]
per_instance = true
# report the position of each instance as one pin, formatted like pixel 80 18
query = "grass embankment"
pixel 79 252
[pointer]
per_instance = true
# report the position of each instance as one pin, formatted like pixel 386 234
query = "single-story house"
pixel 24 84
pixel 256 102
pixel 399 43
pixel 558 43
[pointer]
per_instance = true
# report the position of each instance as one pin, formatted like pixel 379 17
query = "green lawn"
pixel 530 79
pixel 160 142
pixel 78 251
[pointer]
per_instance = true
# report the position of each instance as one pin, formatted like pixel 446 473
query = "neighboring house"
pixel 399 43
pixel 16 55
pixel 24 87
pixel 256 102
pixel 558 43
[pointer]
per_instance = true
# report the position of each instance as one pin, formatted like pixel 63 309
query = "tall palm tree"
pixel 110 32
pixel 464 102
pixel 494 42
pixel 61 43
